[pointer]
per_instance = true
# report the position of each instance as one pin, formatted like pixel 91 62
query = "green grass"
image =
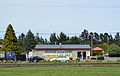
pixel 60 71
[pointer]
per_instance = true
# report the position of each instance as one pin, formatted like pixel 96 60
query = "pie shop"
pixel 50 51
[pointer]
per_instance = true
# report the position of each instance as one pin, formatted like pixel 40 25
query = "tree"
pixel 62 38
pixel 39 40
pixel 117 38
pixel 85 37
pixel 96 38
pixel 106 38
pixel 75 40
pixel 111 40
pixel 101 38
pixel 21 40
pixel 53 38
pixel 10 40
pixel 104 46
pixel 113 49
pixel 91 39
pixel 29 42
pixel 1 41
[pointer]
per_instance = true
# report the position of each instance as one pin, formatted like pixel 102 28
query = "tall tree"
pixel 91 39
pixel 101 38
pixel 10 40
pixel 53 38
pixel 106 38
pixel 96 38
pixel 39 40
pixel 111 40
pixel 75 40
pixel 85 37
pixel 117 38
pixel 62 38
pixel 29 42
pixel 21 40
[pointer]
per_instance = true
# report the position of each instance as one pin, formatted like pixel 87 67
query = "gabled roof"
pixel 62 47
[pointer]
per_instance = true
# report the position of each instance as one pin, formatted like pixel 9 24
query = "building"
pixel 74 51
pixel 2 53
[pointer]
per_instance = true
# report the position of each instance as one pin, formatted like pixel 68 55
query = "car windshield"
pixel 62 57
pixel 34 57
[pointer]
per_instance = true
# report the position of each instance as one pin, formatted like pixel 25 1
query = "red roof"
pixel 97 48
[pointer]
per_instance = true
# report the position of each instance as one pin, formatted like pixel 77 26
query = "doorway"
pixel 79 55
pixel 84 55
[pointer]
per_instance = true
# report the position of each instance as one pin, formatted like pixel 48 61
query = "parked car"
pixel 35 59
pixel 99 57
pixel 1 59
pixel 61 59
pixel 20 57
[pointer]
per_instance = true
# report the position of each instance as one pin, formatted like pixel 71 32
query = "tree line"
pixel 24 43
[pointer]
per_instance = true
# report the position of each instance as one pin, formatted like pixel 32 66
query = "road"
pixel 70 64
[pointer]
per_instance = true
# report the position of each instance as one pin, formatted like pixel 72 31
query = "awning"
pixel 97 48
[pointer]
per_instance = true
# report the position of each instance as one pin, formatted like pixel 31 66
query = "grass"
pixel 60 71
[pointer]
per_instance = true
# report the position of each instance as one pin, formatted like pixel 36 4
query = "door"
pixel 79 55
pixel 84 55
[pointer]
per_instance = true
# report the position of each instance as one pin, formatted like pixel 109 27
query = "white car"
pixel 61 58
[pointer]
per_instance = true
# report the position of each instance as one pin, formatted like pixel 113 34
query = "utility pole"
pixel 91 44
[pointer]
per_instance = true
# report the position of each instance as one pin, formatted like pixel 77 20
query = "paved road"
pixel 70 64
pixel 110 59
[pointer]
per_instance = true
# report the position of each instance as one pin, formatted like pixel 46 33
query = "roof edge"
pixel 62 49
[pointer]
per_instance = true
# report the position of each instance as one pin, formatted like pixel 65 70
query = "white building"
pixel 74 51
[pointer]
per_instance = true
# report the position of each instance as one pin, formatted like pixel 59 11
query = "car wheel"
pixel 67 61
pixel 35 60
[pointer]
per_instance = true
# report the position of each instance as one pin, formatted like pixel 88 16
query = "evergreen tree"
pixel 62 38
pixel 96 38
pixel 106 38
pixel 53 38
pixel 111 40
pixel 42 41
pixel 91 39
pixel 101 38
pixel 46 41
pixel 29 41
pixel 117 36
pixel 10 40
pixel 39 40
pixel 21 40
pixel 75 40
pixel 85 37
pixel 117 39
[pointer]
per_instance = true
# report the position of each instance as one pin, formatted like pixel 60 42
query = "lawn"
pixel 60 71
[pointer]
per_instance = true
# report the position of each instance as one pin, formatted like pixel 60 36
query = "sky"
pixel 69 16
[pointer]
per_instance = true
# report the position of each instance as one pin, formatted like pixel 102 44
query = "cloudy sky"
pixel 69 16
